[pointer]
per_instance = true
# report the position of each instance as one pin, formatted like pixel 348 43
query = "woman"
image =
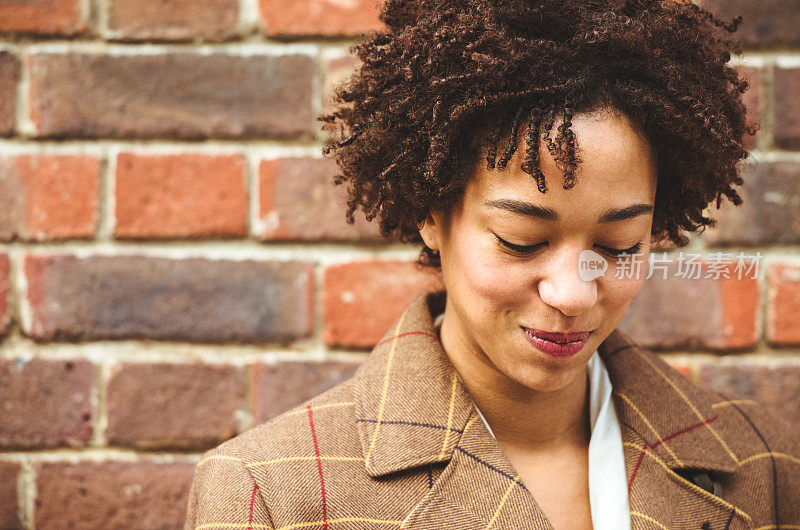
pixel 524 143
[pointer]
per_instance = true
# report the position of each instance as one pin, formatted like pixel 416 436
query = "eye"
pixel 529 249
pixel 520 249
pixel 616 252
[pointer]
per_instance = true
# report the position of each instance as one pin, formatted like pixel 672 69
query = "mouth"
pixel 557 344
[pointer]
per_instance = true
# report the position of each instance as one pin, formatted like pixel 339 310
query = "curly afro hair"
pixel 448 80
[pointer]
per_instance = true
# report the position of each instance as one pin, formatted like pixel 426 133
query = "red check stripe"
pixel 671 436
pixel 252 502
pixel 319 468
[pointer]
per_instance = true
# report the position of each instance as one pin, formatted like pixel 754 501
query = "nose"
pixel 562 287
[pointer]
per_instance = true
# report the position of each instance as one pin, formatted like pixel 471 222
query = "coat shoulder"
pixel 284 434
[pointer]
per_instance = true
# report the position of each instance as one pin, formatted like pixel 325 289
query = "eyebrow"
pixel 548 214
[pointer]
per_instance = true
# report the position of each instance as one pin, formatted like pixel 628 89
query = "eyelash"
pixel 529 249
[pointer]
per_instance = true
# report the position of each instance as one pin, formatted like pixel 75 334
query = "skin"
pixel 492 291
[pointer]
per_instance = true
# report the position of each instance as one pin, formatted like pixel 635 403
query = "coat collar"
pixel 413 409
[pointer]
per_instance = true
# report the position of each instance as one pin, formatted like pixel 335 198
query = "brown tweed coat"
pixel 400 445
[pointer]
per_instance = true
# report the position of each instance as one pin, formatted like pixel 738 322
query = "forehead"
pixel 616 168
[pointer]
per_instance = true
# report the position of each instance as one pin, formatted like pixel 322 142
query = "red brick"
pixel 740 299
pixel 298 200
pixel 770 212
pixel 148 404
pixel 277 387
pixel 708 312
pixel 752 99
pixel 5 294
pixel 764 23
pixel 112 495
pixel 363 299
pixel 9 503
pixel 778 387
pixel 9 76
pixel 196 96
pixel 46 403
pixel 180 195
pixel 45 197
pixel 315 17
pixel 193 299
pixel 786 106
pixel 783 305
pixel 165 20
pixel 42 17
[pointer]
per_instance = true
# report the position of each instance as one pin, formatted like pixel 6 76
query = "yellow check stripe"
pixel 449 415
pixel 300 458
pixel 734 402
pixel 282 459
pixel 649 426
pixel 233 525
pixel 341 520
pixel 765 455
pixel 502 502
pixel 690 404
pixel 218 457
pixel 385 390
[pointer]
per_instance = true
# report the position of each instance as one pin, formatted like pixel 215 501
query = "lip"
pixel 557 344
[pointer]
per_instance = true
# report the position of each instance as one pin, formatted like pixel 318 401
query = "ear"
pixel 431 231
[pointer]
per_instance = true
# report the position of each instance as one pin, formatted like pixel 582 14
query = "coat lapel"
pixel 412 409
pixel 668 426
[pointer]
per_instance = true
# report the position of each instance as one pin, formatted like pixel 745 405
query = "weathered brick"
pixel 148 404
pixel 46 403
pixel 277 387
pixel 770 211
pixel 44 197
pixel 776 386
pixel 5 293
pixel 696 310
pixel 9 75
pixel 163 20
pixel 196 96
pixel 363 299
pixel 783 304
pixel 786 106
pixel 179 195
pixel 42 17
pixel 764 23
pixel 9 503
pixel 144 495
pixel 312 17
pixel 193 299
pixel 298 200
pixel 752 99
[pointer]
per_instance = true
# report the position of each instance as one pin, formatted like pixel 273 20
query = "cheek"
pixel 620 292
pixel 486 275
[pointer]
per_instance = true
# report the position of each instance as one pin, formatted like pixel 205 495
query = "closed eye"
pixel 529 249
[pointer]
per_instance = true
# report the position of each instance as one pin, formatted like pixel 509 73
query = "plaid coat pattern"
pixel 400 445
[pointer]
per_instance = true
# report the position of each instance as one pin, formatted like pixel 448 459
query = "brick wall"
pixel 175 266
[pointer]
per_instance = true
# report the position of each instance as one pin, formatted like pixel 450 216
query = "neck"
pixel 519 415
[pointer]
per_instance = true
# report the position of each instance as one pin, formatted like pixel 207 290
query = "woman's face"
pixel 494 292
